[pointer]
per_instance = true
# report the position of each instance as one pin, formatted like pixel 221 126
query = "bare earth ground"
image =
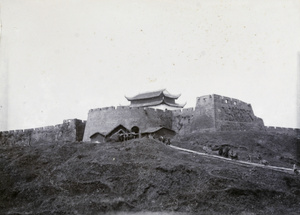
pixel 148 177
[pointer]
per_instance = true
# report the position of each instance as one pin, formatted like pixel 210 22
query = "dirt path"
pixel 239 162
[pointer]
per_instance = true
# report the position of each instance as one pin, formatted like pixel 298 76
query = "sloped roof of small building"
pixel 117 128
pixel 97 133
pixel 155 129
pixel 154 94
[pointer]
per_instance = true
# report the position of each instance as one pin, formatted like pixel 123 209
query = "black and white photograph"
pixel 149 107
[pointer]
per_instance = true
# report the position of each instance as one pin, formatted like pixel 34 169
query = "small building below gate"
pixel 156 132
pixel 97 138
pixel 115 133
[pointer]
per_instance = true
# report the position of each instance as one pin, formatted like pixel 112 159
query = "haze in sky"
pixel 58 59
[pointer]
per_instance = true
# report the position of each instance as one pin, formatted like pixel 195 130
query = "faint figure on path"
pixel 295 169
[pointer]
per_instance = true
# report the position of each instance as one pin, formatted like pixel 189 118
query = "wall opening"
pixel 135 129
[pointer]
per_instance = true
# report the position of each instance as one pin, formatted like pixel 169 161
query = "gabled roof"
pixel 117 128
pixel 155 129
pixel 154 94
pixel 97 133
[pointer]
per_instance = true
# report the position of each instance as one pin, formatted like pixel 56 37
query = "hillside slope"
pixel 277 149
pixel 139 175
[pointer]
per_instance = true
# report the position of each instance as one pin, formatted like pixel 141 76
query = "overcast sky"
pixel 60 58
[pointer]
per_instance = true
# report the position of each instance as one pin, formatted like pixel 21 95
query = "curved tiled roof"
pixel 155 103
pixel 154 94
pixel 175 104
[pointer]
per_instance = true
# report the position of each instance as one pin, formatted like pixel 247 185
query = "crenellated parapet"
pixel 112 108
pixel 282 130
pixel 103 109
pixel 176 111
pixel 69 130
pixel 29 130
pixel 234 114
pixel 220 113
pixel 187 110
pixel 229 100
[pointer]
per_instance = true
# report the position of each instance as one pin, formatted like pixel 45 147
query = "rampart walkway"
pixel 239 162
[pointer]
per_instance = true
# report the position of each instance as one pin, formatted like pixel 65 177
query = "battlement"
pixel 110 108
pixel 117 108
pixel 39 129
pixel 221 99
pixel 176 111
pixel 133 108
pixel 104 108
pixel 204 98
pixel 68 121
pixel 229 100
pixel 183 111
pixel 72 120
pixel 73 129
pixel 18 131
pixel 21 131
pixel 187 110
pixel 29 129
pixel 122 107
pixel 282 130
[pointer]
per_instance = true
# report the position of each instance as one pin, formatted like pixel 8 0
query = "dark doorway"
pixel 135 129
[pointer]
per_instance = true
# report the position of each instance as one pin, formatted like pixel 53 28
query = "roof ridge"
pixel 152 94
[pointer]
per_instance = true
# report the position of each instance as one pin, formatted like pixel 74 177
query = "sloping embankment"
pixel 139 175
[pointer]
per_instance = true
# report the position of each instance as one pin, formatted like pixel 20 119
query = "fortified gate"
pixel 159 109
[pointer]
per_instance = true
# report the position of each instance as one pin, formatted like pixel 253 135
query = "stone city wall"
pixel 233 114
pixel 69 130
pixel 204 115
pixel 211 113
pixel 103 120
pixel 216 113
pixel 182 120
pixel 280 130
